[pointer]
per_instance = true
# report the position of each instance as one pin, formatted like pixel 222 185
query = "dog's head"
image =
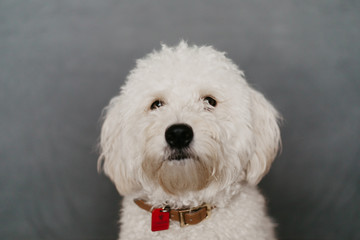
pixel 184 120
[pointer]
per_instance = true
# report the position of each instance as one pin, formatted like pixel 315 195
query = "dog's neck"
pixel 212 196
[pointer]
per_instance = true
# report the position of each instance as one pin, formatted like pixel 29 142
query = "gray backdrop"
pixel 62 60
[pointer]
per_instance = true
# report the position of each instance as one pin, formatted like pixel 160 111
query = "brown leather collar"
pixel 186 216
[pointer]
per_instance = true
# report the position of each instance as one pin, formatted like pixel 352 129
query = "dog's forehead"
pixel 187 70
pixel 185 86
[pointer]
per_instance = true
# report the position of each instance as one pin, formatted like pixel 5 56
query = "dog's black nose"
pixel 179 135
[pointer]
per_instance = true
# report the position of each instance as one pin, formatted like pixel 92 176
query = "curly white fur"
pixel 233 146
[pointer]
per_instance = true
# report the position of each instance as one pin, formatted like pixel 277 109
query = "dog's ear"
pixel 267 140
pixel 113 150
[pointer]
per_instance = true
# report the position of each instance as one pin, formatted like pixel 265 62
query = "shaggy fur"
pixel 233 146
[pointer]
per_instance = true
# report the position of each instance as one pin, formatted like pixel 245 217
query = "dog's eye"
pixel 211 101
pixel 156 104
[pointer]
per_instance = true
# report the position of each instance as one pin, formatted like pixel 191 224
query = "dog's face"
pixel 186 120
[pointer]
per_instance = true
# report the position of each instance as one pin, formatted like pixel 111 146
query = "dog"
pixel 186 142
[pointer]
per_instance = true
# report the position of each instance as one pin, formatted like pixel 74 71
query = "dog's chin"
pixel 183 174
pixel 178 172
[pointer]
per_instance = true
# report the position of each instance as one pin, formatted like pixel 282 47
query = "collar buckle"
pixel 182 213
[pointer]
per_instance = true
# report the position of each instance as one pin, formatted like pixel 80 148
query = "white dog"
pixel 186 142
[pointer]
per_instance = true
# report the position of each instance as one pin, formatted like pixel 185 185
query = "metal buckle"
pixel 208 210
pixel 182 217
pixel 166 208
pixel 183 212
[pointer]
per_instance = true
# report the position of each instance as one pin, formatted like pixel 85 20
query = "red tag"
pixel 159 220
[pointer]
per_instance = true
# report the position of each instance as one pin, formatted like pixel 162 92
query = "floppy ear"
pixel 114 148
pixel 266 137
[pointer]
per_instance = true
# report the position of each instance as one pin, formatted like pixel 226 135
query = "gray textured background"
pixel 62 60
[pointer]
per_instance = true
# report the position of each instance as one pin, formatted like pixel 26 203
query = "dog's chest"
pixel 243 219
